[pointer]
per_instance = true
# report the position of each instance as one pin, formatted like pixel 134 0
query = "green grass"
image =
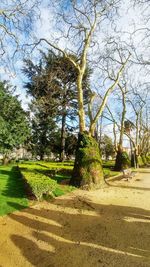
pixel 12 194
pixel 62 190
pixel 108 163
pixel 108 169
pixel 109 173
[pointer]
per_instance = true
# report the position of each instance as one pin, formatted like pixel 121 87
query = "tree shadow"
pixel 77 232
pixel 13 192
pixel 133 187
pixel 42 165
pixel 58 175
pixel 128 186
pixel 15 186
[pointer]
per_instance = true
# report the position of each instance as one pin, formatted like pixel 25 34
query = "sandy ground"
pixel 107 227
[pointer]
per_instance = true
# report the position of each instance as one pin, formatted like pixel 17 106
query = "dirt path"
pixel 103 228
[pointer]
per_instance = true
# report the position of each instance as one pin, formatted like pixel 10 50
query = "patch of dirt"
pixel 103 228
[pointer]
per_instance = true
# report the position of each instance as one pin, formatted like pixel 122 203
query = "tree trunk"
pixel 42 155
pixel 5 160
pixel 88 171
pixel 80 103
pixel 133 161
pixel 122 160
pixel 63 138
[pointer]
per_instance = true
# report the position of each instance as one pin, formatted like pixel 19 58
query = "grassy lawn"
pixel 12 195
pixel 62 171
pixel 109 173
pixel 108 163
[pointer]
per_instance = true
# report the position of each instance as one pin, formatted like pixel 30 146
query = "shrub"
pixel 39 183
pixel 148 158
pixel 144 159
pixel 140 161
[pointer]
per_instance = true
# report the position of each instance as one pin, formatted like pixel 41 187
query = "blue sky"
pixel 130 20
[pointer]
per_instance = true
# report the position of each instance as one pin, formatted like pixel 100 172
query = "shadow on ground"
pixel 75 232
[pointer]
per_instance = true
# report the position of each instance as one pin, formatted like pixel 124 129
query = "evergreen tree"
pixel 14 129
pixel 54 81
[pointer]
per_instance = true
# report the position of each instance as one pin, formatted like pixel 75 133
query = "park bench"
pixel 127 173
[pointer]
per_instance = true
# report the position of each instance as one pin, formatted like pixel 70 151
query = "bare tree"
pixel 16 18
pixel 81 22
pixel 139 102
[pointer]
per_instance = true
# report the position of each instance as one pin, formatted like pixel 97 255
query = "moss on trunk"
pixel 88 171
pixel 122 161
pixel 140 161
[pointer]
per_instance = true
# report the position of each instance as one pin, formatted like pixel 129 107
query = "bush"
pixel 140 161
pixel 39 183
pixel 148 158
pixel 144 159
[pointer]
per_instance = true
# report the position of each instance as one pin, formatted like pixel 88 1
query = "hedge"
pixel 39 184
pixel 148 158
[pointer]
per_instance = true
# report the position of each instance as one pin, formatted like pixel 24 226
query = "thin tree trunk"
pixel 5 160
pixel 42 155
pixel 120 161
pixel 63 137
pixel 81 103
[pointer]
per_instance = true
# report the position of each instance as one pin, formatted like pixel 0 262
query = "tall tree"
pixel 43 129
pixel 107 146
pixel 54 80
pixel 122 159
pixel 14 129
pixel 81 22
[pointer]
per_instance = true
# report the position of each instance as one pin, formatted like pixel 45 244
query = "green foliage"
pixel 108 163
pixel 122 161
pixel 62 190
pixel 148 159
pixel 43 131
pixel 140 161
pixel 70 145
pixel 107 147
pixel 125 160
pixel 14 129
pixel 144 159
pixel 39 183
pixel 37 171
pixel 109 173
pixel 52 84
